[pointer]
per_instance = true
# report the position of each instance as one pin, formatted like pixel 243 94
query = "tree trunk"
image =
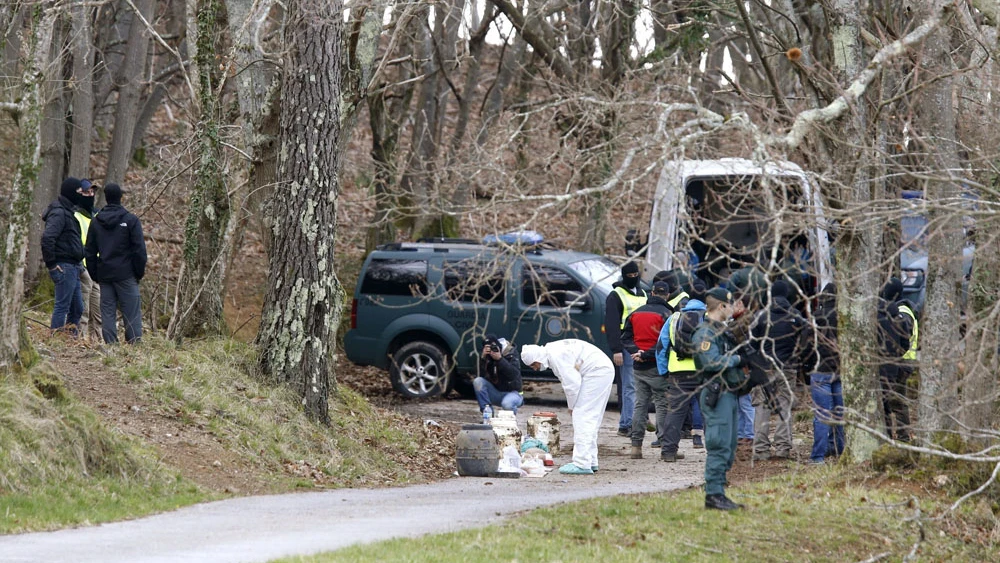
pixel 82 49
pixel 936 131
pixel 258 92
pixel 205 255
pixel 10 46
pixel 129 91
pixel 304 298
pixel 52 168
pixel 14 222
pixel 858 245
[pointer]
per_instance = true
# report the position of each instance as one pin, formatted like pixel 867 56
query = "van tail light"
pixel 354 313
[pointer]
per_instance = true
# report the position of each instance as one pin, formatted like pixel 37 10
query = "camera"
pixel 492 348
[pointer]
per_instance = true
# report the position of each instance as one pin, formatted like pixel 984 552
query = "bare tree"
pixel 304 298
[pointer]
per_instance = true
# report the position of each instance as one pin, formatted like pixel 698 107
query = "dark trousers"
pixel 892 378
pixel 720 440
pixel 123 295
pixel 680 390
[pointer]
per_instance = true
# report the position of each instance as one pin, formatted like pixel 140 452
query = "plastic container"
pixel 476 451
pixel 487 414
pixel 544 426
pixel 505 426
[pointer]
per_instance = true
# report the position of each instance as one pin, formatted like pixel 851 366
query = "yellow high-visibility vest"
pixel 675 364
pixel 84 227
pixel 630 302
pixel 911 354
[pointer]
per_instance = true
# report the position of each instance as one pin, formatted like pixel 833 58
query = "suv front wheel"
pixel 419 370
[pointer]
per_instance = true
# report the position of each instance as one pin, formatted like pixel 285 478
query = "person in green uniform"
pixel 721 370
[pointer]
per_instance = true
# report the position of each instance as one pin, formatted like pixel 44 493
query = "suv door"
pixel 553 304
pixel 475 294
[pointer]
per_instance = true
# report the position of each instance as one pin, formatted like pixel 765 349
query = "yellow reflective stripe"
pixel 630 302
pixel 911 354
pixel 84 227
pixel 675 364
pixel 673 302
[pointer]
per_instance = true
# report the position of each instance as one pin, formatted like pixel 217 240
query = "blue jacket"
pixel 663 343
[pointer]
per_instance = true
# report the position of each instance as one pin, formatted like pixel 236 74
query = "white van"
pixel 721 215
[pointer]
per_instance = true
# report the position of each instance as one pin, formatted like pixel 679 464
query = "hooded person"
pixel 62 252
pixel 620 303
pixel 825 385
pixel 586 375
pixel 90 321
pixel 116 259
pixel 897 338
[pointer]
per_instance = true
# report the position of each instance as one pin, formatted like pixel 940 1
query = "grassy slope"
pixel 61 465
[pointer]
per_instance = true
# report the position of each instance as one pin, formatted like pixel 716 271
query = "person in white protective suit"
pixel 586 374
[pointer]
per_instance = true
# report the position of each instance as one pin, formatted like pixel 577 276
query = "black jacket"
pixel 894 329
pixel 505 373
pixel 777 331
pixel 116 250
pixel 61 240
pixel 642 330
pixel 613 309
pixel 827 353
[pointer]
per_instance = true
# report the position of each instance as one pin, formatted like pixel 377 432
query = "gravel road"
pixel 262 528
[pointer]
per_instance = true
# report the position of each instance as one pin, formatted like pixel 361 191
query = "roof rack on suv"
pixel 446 240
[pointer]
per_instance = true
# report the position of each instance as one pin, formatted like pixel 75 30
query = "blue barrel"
pixel 476 450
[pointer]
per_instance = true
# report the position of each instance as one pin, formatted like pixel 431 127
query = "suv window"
pixel 473 282
pixel 546 286
pixel 396 276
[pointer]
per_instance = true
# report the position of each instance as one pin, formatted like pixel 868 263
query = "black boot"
pixel 720 502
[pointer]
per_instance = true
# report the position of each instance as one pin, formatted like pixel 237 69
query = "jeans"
pixel 828 398
pixel 746 415
pixel 628 392
pixel 68 306
pixel 649 386
pixel 123 295
pixel 488 394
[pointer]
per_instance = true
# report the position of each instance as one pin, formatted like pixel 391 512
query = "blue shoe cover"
pixel 574 469
pixel 594 468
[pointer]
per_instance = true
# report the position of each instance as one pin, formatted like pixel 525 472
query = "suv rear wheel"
pixel 419 370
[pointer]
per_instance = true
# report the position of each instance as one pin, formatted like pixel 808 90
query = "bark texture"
pixel 304 298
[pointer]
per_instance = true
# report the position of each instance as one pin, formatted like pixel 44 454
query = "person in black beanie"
pixel 620 303
pixel 90 321
pixel 116 259
pixel 62 252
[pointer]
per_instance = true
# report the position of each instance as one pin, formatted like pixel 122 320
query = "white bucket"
pixel 544 427
pixel 505 427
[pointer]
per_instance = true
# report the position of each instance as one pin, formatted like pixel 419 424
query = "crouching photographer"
pixel 499 381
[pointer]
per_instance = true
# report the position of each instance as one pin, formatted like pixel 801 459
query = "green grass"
pixel 824 514
pixel 212 383
pixel 60 465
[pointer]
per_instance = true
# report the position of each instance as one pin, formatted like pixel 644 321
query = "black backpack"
pixel 687 323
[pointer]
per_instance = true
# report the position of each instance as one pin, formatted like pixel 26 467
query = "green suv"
pixel 420 310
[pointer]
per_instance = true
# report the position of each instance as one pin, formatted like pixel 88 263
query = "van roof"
pixel 732 167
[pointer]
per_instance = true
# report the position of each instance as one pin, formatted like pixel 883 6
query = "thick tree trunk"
pixel 205 255
pixel 14 220
pixel 858 246
pixel 937 396
pixel 129 91
pixel 304 298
